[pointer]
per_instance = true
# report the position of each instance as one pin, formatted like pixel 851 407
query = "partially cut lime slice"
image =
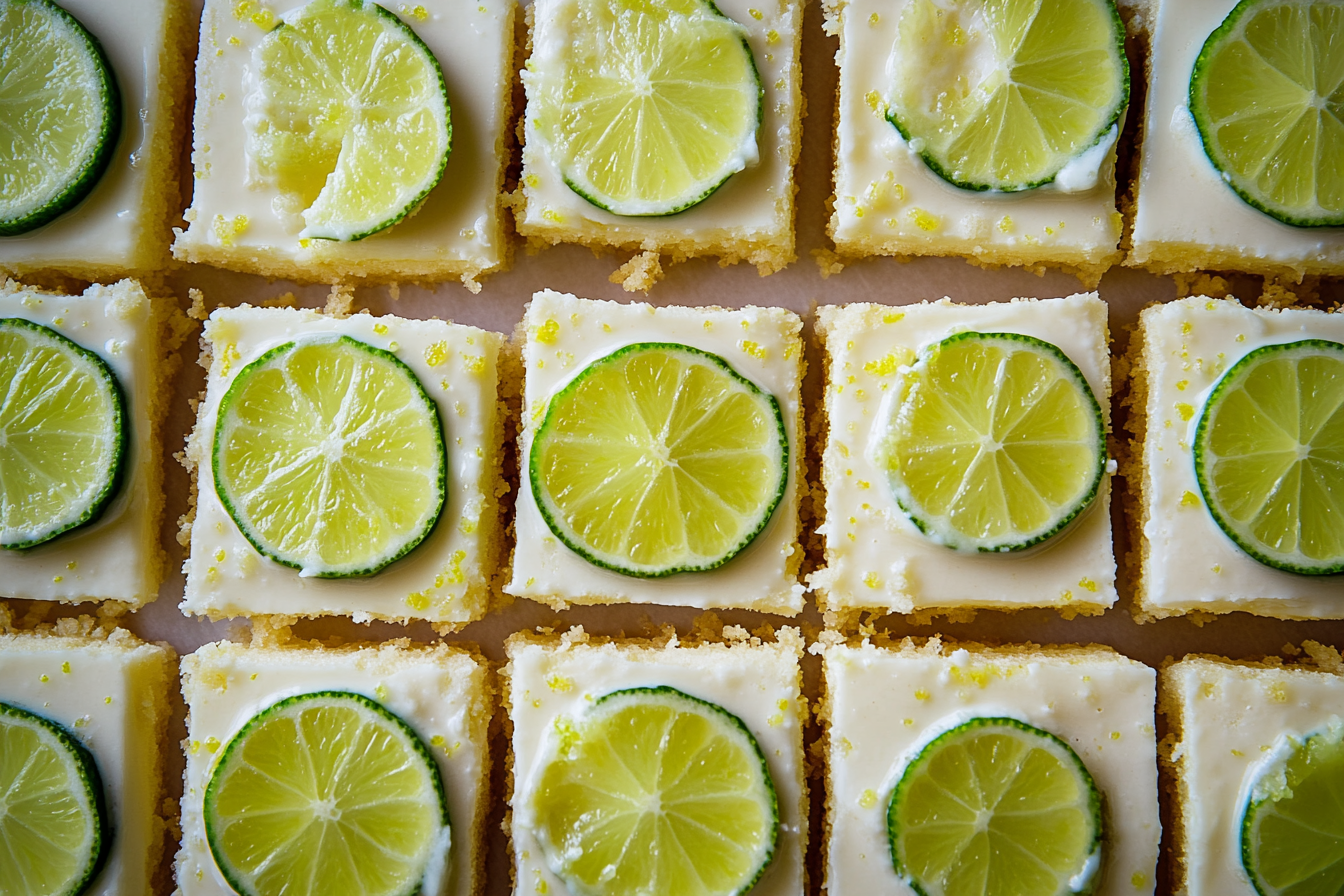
pixel 329 456
pixel 349 116
pixel 60 113
pixel 327 793
pixel 995 442
pixel 1003 94
pixel 61 434
pixel 53 825
pixel 646 106
pixel 655 791
pixel 996 806
pixel 1267 94
pixel 1269 455
pixel 659 459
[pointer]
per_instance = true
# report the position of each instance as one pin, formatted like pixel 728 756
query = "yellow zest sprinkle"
pixel 868 799
pixel 872 580
pixel 225 230
pixel 1186 327
pixel 885 367
pixel 753 349
pixel 473 363
pixel 220 555
pixel 1185 410
pixel 1278 693
pixel 532 180
pixel 252 677
pixel 548 332
pixel 1217 568
pixel 380 329
pixel 874 19
pixel 467 527
pixel 234 41
pixel 756 14
pixel 923 220
pixel 416 600
pixel 845 746
pixel 65 667
pixel 772 36
pixel 1087 585
pixel 956 36
pixel 922 694
pixel 1237 753
pixel 212 744
pixel 380 692
pixel 864 484
pixel 264 19
pixel 71 565
pixel 1181 386
pixel 775 720
pixel 212 575
pixel 552 215
pixel 542 887
pixel 437 741
pixel 81 721
pixel 559 683
pixel 419 13
pixel 1115 735
pixel 1189 499
pixel 108 700
pixel 1138 880
pixel 531 580
pixel 874 100
pixel 1241 337
pixel 58 579
pixel 1066 596
pixel 436 353
pixel 909 723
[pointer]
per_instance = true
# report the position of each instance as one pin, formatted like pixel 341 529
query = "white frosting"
pixel 1190 564
pixel 759 686
pixel 762 345
pixel 457 225
pixel 885 706
pixel 443 579
pixel 106 559
pixel 97 701
pixel 226 685
pixel 877 558
pixel 1182 199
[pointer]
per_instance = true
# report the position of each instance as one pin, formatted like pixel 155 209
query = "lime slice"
pixel 646 106
pixel 60 113
pixel 349 117
pixel 53 824
pixel 61 434
pixel 329 456
pixel 996 806
pixel 655 791
pixel 1003 94
pixel 1269 455
pixel 659 459
pixel 995 442
pixel 327 793
pixel 1267 94
pixel 1292 832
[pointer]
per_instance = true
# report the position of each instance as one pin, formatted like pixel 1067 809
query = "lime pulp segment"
pixel 62 441
pixel 647 106
pixel 1269 455
pixel 53 823
pixel 994 442
pixel 996 806
pixel 329 456
pixel 327 793
pixel 349 117
pixel 655 791
pixel 1267 95
pixel 1003 94
pixel 657 459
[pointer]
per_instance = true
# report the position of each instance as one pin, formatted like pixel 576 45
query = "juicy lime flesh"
pixel 59 113
pixel 1270 455
pixel 353 121
pixel 329 456
pixel 322 794
pixel 656 792
pixel 995 807
pixel 51 833
pixel 997 444
pixel 1002 94
pixel 1268 96
pixel 659 458
pixel 60 434
pixel 656 104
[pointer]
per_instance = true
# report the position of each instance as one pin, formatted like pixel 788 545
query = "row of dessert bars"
pixel 884 702
pixel 389 505
pixel 893 193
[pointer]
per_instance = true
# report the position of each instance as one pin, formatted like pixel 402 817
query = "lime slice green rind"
pixel 1271 124
pixel 57 473
pixel 79 134
pixel 55 826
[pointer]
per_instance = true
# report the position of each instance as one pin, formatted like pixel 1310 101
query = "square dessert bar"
pixel 123 226
pixel 551 680
pixel 1185 561
pixel 562 336
pixel 236 221
pixel 116 556
pixel 1186 216
pixel 446 579
pixel 888 201
pixel 109 690
pixel 884 703
pixel 749 218
pixel 876 557
pixel 445 694
pixel 1226 719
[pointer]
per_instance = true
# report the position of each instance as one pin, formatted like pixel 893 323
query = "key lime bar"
pixel 660 456
pixel 115 554
pixel 886 705
pixel 257 205
pixel 371 491
pixel 930 513
pixel 421 716
pixel 726 716
pixel 122 226
pixel 1187 562
pixel 108 691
